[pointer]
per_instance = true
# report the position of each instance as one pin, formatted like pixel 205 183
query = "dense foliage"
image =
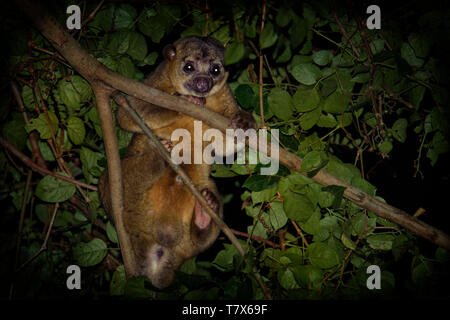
pixel 338 92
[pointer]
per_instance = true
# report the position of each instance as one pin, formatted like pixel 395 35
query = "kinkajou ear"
pixel 169 52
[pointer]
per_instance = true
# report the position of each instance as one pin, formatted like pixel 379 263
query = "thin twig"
pixel 257 238
pixel 350 251
pixel 261 63
pixel 35 151
pixel 27 161
pixel 397 97
pixel 19 232
pixel 344 33
pixel 44 244
pixel 299 231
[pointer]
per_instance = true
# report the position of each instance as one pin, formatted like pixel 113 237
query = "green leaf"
pixel 306 100
pixel 75 92
pixel 422 274
pixel 268 36
pixel 103 19
pixel 297 32
pixel 82 87
pixel 283 16
pixel 265 195
pixel 309 119
pixel 360 222
pixel 280 103
pixel 385 146
pixel 151 24
pixel 326 199
pixel 118 282
pixel 416 96
pixel 250 27
pixel 91 253
pixel 310 161
pixel 137 288
pixel 138 47
pixel 437 146
pixel 361 77
pixel 28 97
pixel 126 67
pixel 297 206
pixel 337 102
pixel 408 54
pixel 244 95
pixel 338 192
pixel 380 241
pixel 312 225
pixel 89 160
pixel 306 73
pixel 235 52
pixel 51 189
pixel 364 185
pixel 338 169
pixel 222 171
pixel 259 183
pixel 309 276
pixel 322 256
pixel 298 179
pixel 76 130
pixel 285 55
pixel 348 242
pixel 322 57
pixel 15 133
pixel 344 119
pixel 111 232
pixel 399 129
pixel 370 119
pixel 124 16
pixel 420 44
pixel 46 152
pixel 376 46
pixel 287 280
pixel 276 217
pixel 223 34
pixel 328 86
pixel 151 58
pixel 42 212
pixel 327 121
pixel 224 259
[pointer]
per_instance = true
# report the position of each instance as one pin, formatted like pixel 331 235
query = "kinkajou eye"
pixel 178 179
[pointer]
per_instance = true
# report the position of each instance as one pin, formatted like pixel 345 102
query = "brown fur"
pixel 159 209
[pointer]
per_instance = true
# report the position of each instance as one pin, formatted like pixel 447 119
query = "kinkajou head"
pixel 196 66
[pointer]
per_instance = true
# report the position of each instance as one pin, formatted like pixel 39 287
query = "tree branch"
pixel 103 95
